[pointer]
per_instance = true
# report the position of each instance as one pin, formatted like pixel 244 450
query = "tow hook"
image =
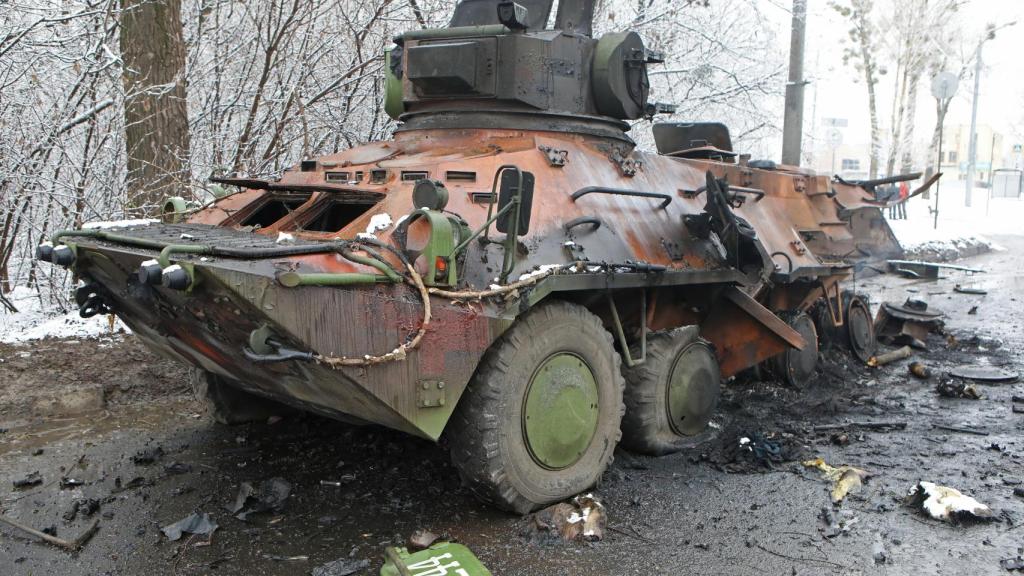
pixel 91 301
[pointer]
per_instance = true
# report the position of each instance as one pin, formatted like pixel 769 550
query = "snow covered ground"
pixel 35 320
pixel 959 227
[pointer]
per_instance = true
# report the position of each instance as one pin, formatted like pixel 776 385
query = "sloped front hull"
pixel 209 327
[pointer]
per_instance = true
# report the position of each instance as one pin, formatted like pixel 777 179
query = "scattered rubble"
pixel 194 523
pixel 270 496
pixel 341 567
pixel 947 504
pixel 951 389
pixel 422 539
pixel 49 535
pixel 836 522
pixel 890 357
pixel 29 480
pixel 148 456
pixel 1012 563
pixel 583 519
pixel 907 324
pixel 919 370
pixel 845 479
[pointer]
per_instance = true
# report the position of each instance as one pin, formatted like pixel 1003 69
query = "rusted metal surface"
pixel 701 237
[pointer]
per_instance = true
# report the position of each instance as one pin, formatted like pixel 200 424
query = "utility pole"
pixel 972 140
pixel 793 125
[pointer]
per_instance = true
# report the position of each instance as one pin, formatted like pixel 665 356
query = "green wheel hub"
pixel 560 411
pixel 692 392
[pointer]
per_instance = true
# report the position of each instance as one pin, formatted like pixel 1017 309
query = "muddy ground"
pixel 711 510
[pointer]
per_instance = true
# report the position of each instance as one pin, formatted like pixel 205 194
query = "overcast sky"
pixel 839 92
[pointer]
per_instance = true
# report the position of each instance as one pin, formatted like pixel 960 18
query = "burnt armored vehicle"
pixel 508 272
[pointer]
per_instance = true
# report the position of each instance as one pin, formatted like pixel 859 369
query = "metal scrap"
pixel 906 324
pixel 989 374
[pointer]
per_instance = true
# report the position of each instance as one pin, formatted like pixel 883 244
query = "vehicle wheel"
pixel 540 419
pixel 796 367
pixel 229 404
pixel 672 396
pixel 859 332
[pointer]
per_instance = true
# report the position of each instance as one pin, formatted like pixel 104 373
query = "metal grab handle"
pixel 595 221
pixel 666 199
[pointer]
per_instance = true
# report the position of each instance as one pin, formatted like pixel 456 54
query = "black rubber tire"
pixel 793 367
pixel 229 404
pixel 645 427
pixel 485 434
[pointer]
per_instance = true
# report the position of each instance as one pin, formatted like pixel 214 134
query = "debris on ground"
pixel 422 539
pixel 583 519
pixel 84 506
pixel 763 449
pixel 890 357
pixel 279 558
pixel 907 324
pixel 876 426
pixel 835 523
pixel 961 429
pixel 951 389
pixel 148 456
pixel 270 496
pixel 66 483
pixel 343 567
pixel 29 480
pixel 176 468
pixel 194 523
pixel 1012 563
pixel 441 558
pixel 968 290
pixel 879 553
pixel 49 535
pixel 845 479
pixel 947 504
pixel 919 370
pixel 989 374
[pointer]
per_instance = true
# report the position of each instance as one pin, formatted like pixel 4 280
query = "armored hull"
pixel 507 270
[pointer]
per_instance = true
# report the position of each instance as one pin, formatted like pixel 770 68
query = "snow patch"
pixel 543 269
pixel 378 222
pixel 284 237
pixel 118 224
pixel 35 321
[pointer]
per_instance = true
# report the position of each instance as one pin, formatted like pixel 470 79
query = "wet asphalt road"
pixel 682 514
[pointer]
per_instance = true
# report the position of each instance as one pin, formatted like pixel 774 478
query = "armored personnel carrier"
pixel 509 272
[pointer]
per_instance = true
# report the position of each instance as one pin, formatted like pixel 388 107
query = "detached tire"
pixel 231 405
pixel 540 419
pixel 672 396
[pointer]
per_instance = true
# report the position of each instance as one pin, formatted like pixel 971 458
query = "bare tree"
pixel 155 106
pixel 862 54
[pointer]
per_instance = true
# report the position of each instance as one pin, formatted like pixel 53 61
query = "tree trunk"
pixel 155 109
pixel 907 159
pixel 876 131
